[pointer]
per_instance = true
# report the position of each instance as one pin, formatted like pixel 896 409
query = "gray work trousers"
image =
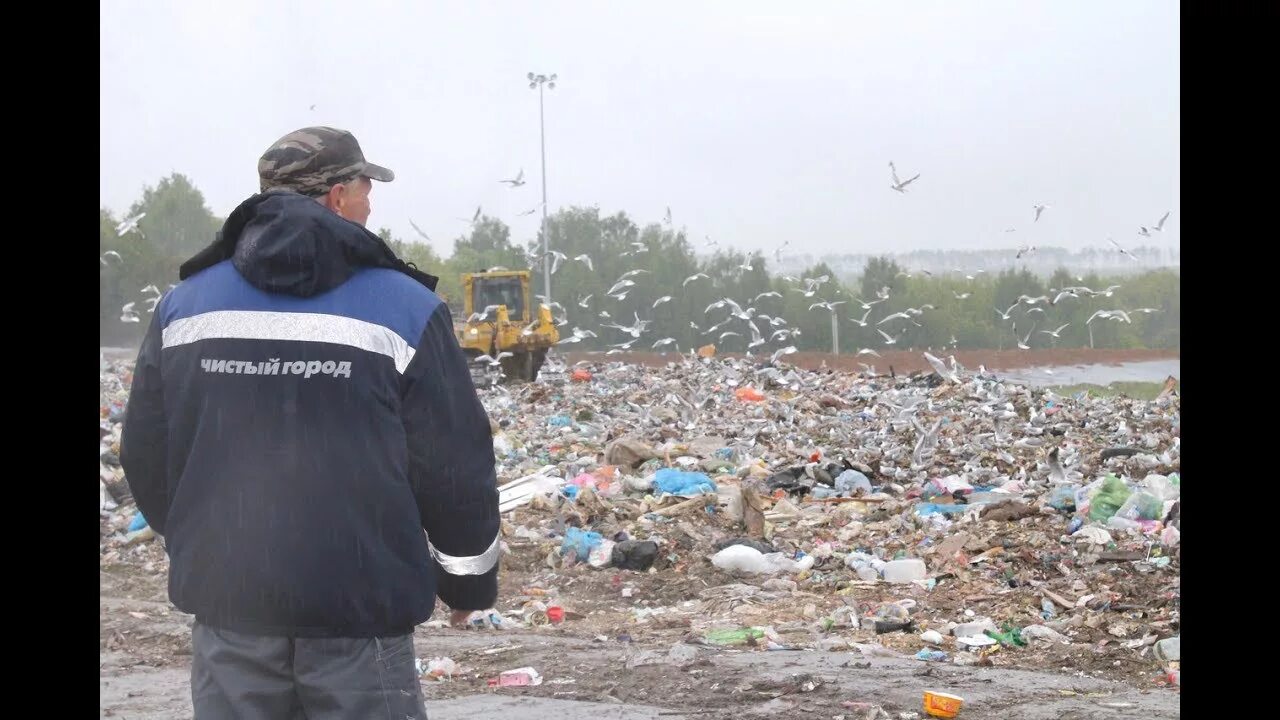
pixel 259 677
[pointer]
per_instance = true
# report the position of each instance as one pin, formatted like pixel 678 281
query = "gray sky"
pixel 755 124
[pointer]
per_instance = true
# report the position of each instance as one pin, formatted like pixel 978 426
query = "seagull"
pixel 476 317
pixel 748 266
pixel 812 285
pixel 777 253
pixel 624 346
pixel 1039 209
pixel 1068 293
pixel 585 259
pixel 1122 250
pixel 638 247
pixel 963 295
pixel 585 302
pixel 578 336
pixel 667 218
pixel 152 300
pixel 710 242
pixel 620 286
pixel 663 299
pixel 716 305
pixel 419 230
pixel 830 306
pixel 112 254
pixel 1004 314
pixel 899 185
pixel 129 225
pixel 517 182
pixel 620 296
pixel 491 361
pixel 1022 344
pixel 887 318
pixel 773 360
pixel 727 333
pixel 527 212
pixel 1159 227
pixel 863 321
pixel 631 274
pixel 736 310
pixel 664 341
pixel 556 258
pixel 888 339
pixel 1145 311
pixel 941 369
pixel 771 293
pixel 1120 315
pixel 867 305
pixel 1025 250
pixel 635 330
pixel 1054 333
pixel 474 218
pixel 868 351
pixel 128 315
pixel 691 278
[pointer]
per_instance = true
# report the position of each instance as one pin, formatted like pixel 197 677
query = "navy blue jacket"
pixel 300 413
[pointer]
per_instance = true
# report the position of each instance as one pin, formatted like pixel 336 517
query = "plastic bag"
pixel 748 559
pixel 1109 499
pixel 1063 498
pixel 676 482
pixel 1141 506
pixel 852 481
pixel 580 541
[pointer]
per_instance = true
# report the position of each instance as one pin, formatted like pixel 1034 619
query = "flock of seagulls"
pixel 746 321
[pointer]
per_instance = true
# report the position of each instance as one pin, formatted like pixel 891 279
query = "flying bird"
pixel 900 185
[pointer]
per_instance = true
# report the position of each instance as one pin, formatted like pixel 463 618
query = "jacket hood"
pixel 284 242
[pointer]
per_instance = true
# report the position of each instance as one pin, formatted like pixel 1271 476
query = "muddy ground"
pixel 605 664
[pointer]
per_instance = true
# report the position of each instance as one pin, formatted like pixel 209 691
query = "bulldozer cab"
pixel 509 288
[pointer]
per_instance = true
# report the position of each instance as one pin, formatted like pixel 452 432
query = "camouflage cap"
pixel 314 159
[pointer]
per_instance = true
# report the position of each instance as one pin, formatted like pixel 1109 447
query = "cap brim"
pixel 377 172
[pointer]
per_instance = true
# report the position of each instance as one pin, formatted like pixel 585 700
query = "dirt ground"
pixel 603 663
pixel 909 361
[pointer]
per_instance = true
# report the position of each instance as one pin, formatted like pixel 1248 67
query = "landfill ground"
pixel 145 661
pixel 909 361
pixel 969 474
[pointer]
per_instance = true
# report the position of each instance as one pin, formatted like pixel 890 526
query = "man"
pixel 300 413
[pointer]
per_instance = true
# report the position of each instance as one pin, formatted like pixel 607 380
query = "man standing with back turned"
pixel 300 413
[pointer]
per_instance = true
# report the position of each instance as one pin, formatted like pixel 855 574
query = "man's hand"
pixel 458 618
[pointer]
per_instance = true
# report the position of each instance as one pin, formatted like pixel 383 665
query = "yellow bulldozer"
pixel 501 328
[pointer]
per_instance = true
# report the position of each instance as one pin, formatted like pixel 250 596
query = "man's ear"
pixel 335 197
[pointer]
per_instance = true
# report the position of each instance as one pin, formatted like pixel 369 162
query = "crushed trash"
pixel 821 511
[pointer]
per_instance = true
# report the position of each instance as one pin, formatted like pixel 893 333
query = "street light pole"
pixel 538 81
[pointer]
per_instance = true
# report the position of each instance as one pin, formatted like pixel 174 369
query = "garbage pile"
pixel 953 518
pixel 725 503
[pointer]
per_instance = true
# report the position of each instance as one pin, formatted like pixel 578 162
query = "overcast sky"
pixel 756 122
